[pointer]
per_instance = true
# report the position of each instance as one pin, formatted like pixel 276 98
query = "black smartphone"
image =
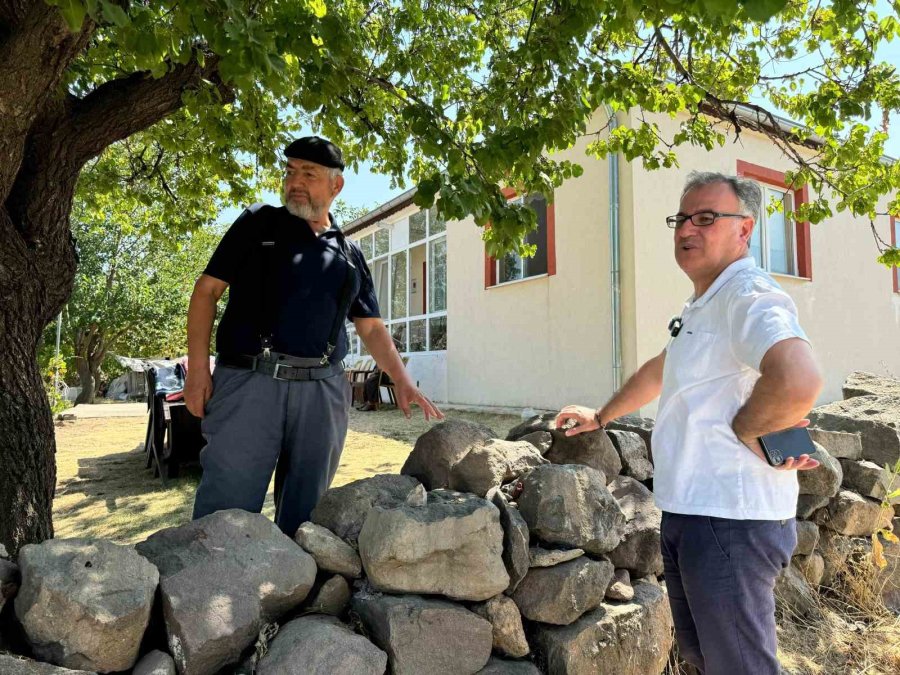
pixel 780 445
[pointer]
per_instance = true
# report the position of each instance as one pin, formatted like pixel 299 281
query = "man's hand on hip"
pixel 198 389
pixel 407 394
pixel 584 418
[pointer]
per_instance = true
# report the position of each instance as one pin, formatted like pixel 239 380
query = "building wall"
pixel 540 342
pixel 848 309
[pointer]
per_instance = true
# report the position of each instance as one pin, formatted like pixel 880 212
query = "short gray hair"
pixel 334 172
pixel 748 192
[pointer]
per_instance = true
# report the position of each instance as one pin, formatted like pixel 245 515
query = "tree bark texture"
pixel 47 135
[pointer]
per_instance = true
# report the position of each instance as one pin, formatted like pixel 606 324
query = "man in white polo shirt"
pixel 739 367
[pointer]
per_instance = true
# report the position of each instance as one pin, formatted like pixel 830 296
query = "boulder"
pixel 562 593
pixel 592 448
pixel 331 553
pixel 860 383
pixel 876 419
pixel 807 537
pixel 424 635
pixel 85 604
pixel 632 638
pixel 850 514
pixel 332 597
pixel 508 633
pixel 17 665
pixel 811 566
pixel 259 574
pixel 542 440
pixel 642 426
pixel 505 667
pixel 825 479
pixel 343 510
pixel 434 549
pixel 9 581
pixel 620 588
pixel 809 504
pixel 793 595
pixel 515 538
pixel 569 505
pixel 633 453
pixel 839 444
pixel 545 422
pixel 493 463
pixel 542 557
pixel 155 663
pixel 639 551
pixel 438 450
pixel 866 478
pixel 321 645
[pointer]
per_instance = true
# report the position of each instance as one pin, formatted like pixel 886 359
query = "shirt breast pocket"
pixel 693 356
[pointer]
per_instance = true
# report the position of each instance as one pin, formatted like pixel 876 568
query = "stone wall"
pixel 538 553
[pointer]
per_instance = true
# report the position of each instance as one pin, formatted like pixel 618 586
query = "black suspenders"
pixel 268 305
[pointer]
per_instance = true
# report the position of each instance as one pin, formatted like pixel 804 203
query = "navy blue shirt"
pixel 307 275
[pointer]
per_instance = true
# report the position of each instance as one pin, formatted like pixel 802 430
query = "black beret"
pixel 315 149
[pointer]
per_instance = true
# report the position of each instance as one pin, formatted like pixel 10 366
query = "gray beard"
pixel 305 211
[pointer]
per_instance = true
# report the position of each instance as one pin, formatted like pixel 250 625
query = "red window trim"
pixel 895 271
pixel 801 196
pixel 490 266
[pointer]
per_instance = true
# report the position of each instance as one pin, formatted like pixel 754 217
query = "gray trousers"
pixel 255 423
pixel 720 577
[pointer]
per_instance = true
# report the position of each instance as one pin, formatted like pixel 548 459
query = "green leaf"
pixel 73 12
pixel 114 14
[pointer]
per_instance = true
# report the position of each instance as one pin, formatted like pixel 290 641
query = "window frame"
pixel 491 263
pixel 801 230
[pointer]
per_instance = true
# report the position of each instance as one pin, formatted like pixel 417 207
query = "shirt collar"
pixel 725 275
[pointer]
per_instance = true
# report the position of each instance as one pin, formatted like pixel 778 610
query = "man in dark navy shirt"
pixel 278 400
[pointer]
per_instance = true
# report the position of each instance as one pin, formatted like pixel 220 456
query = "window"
pixel 512 266
pixel 408 260
pixel 779 244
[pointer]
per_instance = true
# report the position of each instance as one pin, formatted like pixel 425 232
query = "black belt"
pixel 282 366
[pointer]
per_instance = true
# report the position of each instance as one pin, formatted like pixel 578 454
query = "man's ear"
pixel 747 230
pixel 337 186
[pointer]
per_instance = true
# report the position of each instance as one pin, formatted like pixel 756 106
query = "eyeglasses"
pixel 700 219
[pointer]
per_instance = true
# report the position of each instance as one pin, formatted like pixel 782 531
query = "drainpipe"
pixel 614 258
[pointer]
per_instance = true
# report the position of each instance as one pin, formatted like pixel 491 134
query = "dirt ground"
pixel 104 489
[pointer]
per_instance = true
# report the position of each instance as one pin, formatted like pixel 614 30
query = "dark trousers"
pixel 254 422
pixel 720 576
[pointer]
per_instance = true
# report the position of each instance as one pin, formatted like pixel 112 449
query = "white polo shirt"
pixel 700 467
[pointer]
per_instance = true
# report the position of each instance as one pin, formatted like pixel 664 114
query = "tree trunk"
pixel 86 380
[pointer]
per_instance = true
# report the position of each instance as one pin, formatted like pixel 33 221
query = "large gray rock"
pixel 155 663
pixel 570 505
pixel 438 450
pixel 794 596
pixel 811 566
pixel 807 537
pixel 17 665
pixel 435 548
pixel 866 478
pixel 545 422
pixel 542 440
pixel 809 504
pixel 332 597
pixel 825 479
pixel 493 463
pixel 320 645
pixel 861 383
pixel 562 593
pixel 839 444
pixel 631 638
pixel 515 538
pixel 543 557
pixel 633 452
pixel 876 419
pixel 850 514
pixel 224 577
pixel 331 553
pixel 343 510
pixel 642 426
pixel 504 667
pixel 508 633
pixel 593 449
pixel 9 581
pixel 620 588
pixel 85 604
pixel 423 635
pixel 639 551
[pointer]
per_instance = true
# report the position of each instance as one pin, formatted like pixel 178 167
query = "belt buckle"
pixel 275 372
